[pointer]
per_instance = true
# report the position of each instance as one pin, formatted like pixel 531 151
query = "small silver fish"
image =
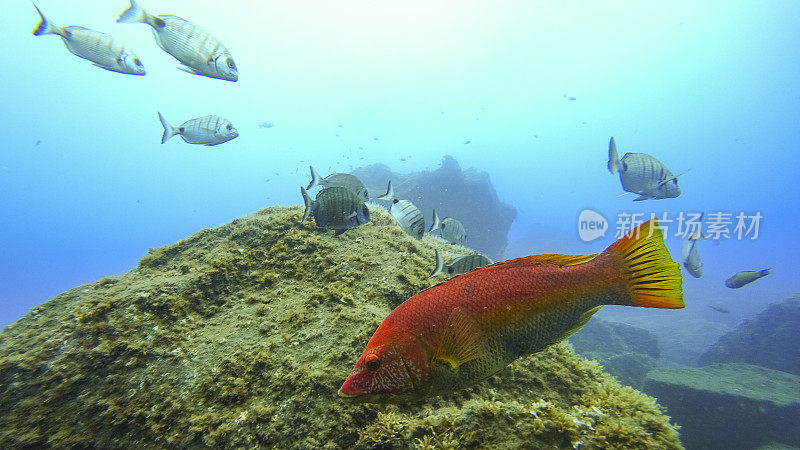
pixel 266 124
pixel 643 174
pixel 744 278
pixel 452 230
pixel 335 207
pixel 101 49
pixel 457 266
pixel 206 130
pixel 719 309
pixel 199 51
pixel 407 216
pixel 692 261
pixel 689 252
pixel 339 179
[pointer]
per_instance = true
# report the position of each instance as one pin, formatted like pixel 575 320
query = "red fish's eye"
pixel 372 362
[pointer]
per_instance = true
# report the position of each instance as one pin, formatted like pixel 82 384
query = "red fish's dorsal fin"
pixel 561 260
pixel 462 340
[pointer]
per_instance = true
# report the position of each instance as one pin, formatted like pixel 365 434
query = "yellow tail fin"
pixel 654 279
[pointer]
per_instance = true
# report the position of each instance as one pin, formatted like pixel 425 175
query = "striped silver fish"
pixel 452 230
pixel 200 52
pixel 335 207
pixel 643 174
pixel 206 130
pixel 457 266
pixel 407 216
pixel 744 278
pixel 99 48
pixel 339 179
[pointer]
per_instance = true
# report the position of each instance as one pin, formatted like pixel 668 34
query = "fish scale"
pixel 409 217
pixel 207 130
pixel 335 207
pixel 470 327
pixel 95 46
pixel 643 174
pixel 453 231
pixel 518 322
pixel 185 47
pixel 197 129
pixel 198 50
pixel 345 180
pixel 100 48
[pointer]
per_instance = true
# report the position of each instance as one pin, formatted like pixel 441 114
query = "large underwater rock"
pixel 730 406
pixel 240 336
pixel 465 195
pixel 771 339
pixel 625 351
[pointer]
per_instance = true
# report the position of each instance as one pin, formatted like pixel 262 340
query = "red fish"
pixel 472 326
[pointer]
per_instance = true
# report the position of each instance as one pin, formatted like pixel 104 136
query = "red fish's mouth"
pixel 379 398
pixel 350 392
pixel 345 395
pixel 347 390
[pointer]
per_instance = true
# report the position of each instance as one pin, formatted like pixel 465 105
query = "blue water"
pixel 710 87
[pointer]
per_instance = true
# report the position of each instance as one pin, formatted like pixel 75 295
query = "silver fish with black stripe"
pixel 457 266
pixel 199 51
pixel 101 49
pixel 643 174
pixel 339 179
pixel 335 207
pixel 405 213
pixel 206 130
pixel 452 230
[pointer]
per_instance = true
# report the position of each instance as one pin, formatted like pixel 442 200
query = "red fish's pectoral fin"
pixel 654 279
pixel 462 340
pixel 582 320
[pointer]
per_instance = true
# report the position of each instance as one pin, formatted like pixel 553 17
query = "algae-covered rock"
pixel 625 351
pixel 467 195
pixel 240 336
pixel 730 406
pixel 771 340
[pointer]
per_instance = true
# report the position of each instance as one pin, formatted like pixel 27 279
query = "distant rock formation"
pixel 240 336
pixel 730 406
pixel 771 339
pixel 625 351
pixel 465 195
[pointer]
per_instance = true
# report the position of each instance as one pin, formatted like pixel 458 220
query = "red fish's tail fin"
pixel 653 278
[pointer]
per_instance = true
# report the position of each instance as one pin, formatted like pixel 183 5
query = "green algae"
pixel 240 336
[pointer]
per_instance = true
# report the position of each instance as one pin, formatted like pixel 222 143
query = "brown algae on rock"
pixel 239 336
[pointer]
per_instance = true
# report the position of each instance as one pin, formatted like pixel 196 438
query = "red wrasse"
pixel 470 327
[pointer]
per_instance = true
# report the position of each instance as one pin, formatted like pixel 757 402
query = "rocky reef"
pixel 625 351
pixel 465 195
pixel 771 339
pixel 731 406
pixel 240 336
